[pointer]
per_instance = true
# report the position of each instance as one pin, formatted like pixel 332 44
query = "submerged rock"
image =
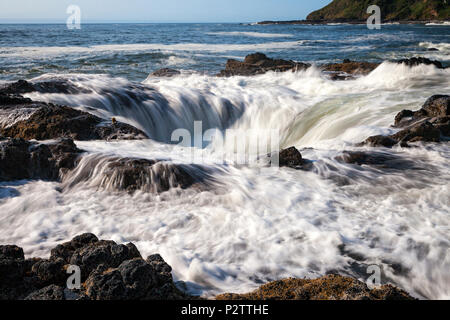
pixel 380 160
pixel 412 62
pixel 23 118
pixel 165 72
pixel 20 159
pixel 291 158
pixel 429 124
pixel 259 63
pixel 331 287
pixel 132 174
pixel 348 69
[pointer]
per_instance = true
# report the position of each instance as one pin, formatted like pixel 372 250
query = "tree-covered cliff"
pixel 391 10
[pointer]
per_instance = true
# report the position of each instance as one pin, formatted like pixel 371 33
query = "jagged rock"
pixel 11 252
pixel 106 253
pixel 24 118
pixel 54 86
pixel 347 69
pixel 12 272
pixel 105 284
pixel 66 250
pixel 52 292
pixel 259 63
pixel 437 106
pixel 162 269
pixel 165 72
pixel 330 287
pixel 428 124
pixel 50 271
pixel 423 131
pixel 412 62
pixel 20 159
pixel 138 276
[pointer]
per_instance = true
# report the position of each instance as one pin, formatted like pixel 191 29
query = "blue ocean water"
pixel 135 50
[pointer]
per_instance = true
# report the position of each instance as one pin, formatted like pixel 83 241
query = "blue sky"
pixel 158 10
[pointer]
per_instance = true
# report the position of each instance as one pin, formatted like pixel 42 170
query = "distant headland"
pixel 392 11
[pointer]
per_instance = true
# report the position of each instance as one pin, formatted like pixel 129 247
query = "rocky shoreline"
pixel 111 271
pixel 259 63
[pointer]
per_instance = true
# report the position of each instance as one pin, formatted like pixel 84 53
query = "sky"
pixel 24 11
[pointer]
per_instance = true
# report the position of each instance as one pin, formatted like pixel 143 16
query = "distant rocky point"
pixel 355 12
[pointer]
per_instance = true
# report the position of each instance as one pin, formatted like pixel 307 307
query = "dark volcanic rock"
pixel 379 160
pixel 138 276
pixel 110 272
pixel 105 284
pixel 106 253
pixel 429 124
pixel 20 159
pixel 423 131
pixel 54 86
pixel 12 272
pixel 52 292
pixel 380 141
pixel 66 250
pixel 290 157
pixel 331 287
pixel 132 174
pixel 50 271
pixel 420 60
pixel 27 119
pixel 11 252
pixel 259 63
pixel 341 71
pixel 165 72
pixel 437 106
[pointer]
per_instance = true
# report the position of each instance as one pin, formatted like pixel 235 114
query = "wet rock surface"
pixel 291 158
pixel 23 118
pixel 331 287
pixel 380 160
pixel 348 69
pixel 133 174
pixel 54 86
pixel 165 72
pixel 429 124
pixel 21 159
pixel 109 271
pixel 259 63
pixel 412 62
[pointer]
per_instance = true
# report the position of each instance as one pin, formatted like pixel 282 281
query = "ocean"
pixel 256 223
